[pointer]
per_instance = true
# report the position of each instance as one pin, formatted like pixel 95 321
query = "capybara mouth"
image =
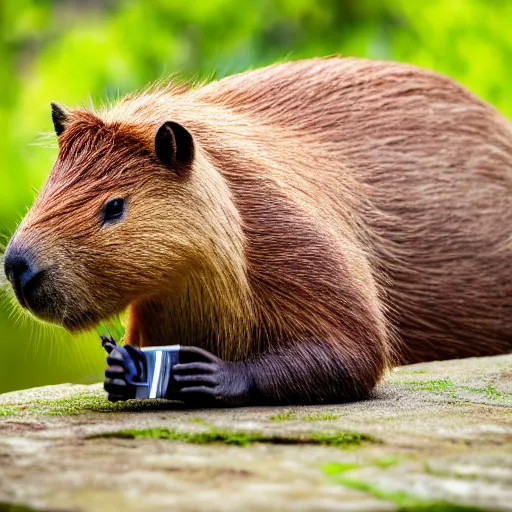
pixel 80 321
pixel 71 319
pixel 40 306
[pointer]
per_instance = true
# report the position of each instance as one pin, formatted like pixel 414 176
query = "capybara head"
pixel 118 220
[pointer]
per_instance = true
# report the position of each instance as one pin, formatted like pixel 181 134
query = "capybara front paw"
pixel 203 379
pixel 124 368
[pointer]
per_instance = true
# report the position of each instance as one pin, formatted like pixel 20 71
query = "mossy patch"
pixel 410 372
pixel 335 468
pixel 196 420
pixel 437 385
pixel 84 403
pixel 314 416
pixel 7 411
pixel 447 387
pixel 490 393
pixel 339 439
pixel 386 462
pixel 430 385
pixel 404 501
pixel 81 404
pixel 285 416
pixel 319 416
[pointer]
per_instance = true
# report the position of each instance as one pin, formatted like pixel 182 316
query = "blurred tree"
pixel 77 51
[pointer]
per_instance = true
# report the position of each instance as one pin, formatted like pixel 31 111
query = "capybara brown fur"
pixel 298 229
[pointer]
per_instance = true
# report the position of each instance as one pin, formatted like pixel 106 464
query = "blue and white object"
pixel 159 362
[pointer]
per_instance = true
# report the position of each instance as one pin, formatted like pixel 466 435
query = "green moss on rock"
pixel 489 392
pixel 386 462
pixel 335 468
pixel 314 416
pixel 340 439
pixel 319 416
pixel 82 404
pixel 405 502
pixel 7 411
pixel 430 385
pixel 445 386
pixel 437 385
pixel 196 420
pixel 285 416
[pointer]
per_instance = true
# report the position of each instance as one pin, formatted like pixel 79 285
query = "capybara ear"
pixel 174 146
pixel 59 118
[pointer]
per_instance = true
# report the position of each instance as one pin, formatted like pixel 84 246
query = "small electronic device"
pixel 147 371
pixel 159 363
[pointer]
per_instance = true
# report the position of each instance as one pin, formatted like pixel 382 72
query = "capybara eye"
pixel 113 210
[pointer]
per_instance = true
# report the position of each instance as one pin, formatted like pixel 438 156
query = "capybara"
pixel 297 229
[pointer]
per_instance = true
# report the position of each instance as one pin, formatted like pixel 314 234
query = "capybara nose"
pixel 23 275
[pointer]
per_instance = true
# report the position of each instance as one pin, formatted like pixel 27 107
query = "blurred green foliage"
pixel 75 51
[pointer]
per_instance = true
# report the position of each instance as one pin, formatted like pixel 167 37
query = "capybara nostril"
pixel 23 275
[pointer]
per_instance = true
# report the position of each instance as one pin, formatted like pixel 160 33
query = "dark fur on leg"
pixel 306 373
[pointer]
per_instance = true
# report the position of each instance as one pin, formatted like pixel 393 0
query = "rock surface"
pixel 435 436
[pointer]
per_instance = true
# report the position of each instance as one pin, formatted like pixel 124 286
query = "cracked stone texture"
pixel 443 433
